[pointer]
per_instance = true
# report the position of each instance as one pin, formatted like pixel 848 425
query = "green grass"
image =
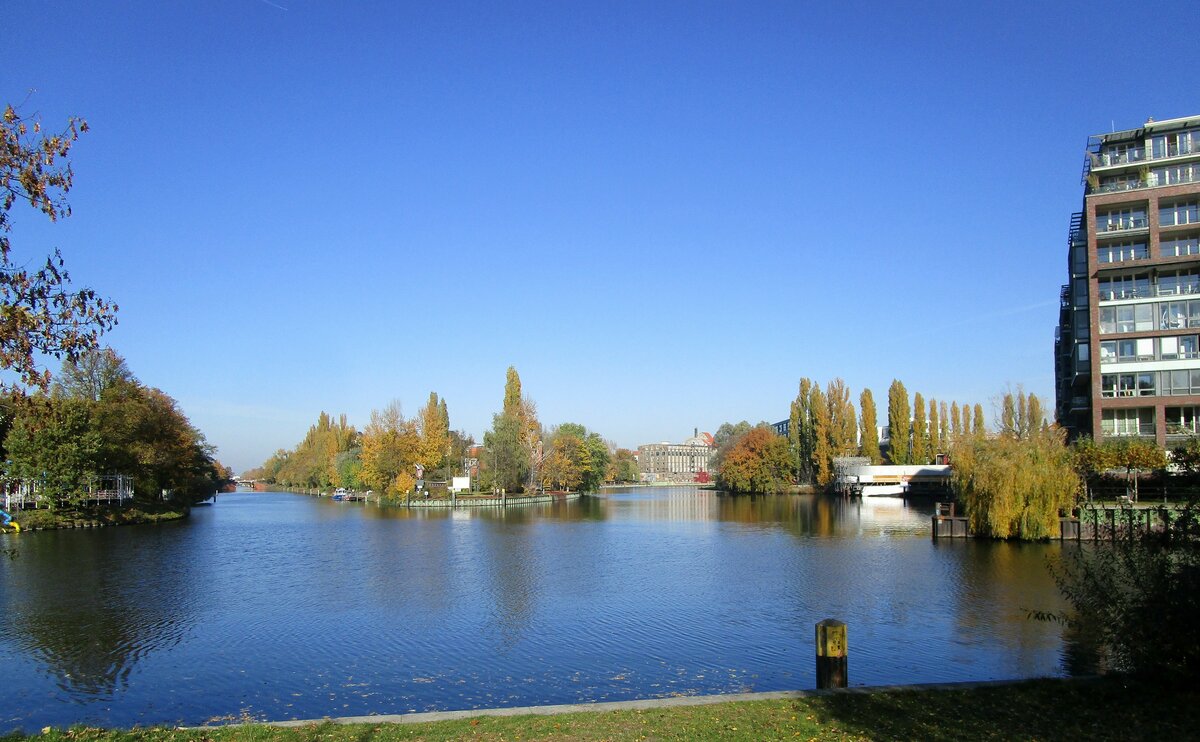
pixel 91 516
pixel 1111 708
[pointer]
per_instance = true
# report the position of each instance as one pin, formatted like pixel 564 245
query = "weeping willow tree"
pixel 1014 487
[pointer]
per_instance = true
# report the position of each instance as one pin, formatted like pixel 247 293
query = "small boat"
pixel 340 494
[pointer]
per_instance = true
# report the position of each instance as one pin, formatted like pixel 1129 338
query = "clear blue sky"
pixel 662 214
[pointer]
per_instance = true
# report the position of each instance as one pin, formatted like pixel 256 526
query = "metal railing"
pixel 1152 180
pixel 1121 224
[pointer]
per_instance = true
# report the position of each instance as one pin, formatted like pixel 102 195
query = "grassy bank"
pixel 1112 708
pixel 95 516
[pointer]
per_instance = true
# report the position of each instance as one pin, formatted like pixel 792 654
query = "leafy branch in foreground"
pixel 40 313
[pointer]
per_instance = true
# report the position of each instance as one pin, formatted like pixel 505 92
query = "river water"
pixel 280 606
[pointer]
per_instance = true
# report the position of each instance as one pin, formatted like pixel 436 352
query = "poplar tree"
pixel 1022 415
pixel 978 428
pixel 1008 417
pixel 794 439
pixel 843 427
pixel 1037 417
pixel 805 438
pixel 920 433
pixel 956 427
pixel 944 429
pixel 822 451
pixel 898 424
pixel 870 431
pixel 935 430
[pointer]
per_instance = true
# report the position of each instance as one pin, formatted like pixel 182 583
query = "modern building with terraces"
pixel 1127 346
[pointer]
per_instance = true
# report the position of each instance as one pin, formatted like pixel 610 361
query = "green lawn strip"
pixel 97 515
pixel 1110 708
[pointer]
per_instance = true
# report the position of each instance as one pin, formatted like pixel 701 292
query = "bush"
pixel 1015 487
pixel 1138 600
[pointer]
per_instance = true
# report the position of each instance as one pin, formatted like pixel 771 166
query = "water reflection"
pixel 293 606
pixel 88 609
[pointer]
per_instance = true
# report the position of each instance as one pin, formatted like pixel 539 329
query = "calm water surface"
pixel 280 606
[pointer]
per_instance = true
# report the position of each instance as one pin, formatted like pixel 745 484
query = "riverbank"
pixel 98 516
pixel 1105 708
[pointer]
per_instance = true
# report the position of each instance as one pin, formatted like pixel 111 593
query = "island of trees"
pixel 518 454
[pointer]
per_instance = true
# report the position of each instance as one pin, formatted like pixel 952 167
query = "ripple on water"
pixel 285 606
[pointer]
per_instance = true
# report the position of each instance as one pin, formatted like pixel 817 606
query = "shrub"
pixel 1015 488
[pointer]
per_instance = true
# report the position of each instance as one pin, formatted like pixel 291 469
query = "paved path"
pixel 648 703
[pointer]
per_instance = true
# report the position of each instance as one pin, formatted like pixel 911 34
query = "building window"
pixel 1119 219
pixel 1178 348
pixel 1134 318
pixel 1124 287
pixel 1123 422
pixel 1179 246
pixel 1119 154
pixel 1175 144
pixel 1174 175
pixel 1180 382
pixel 1173 283
pixel 1174 214
pixel 1119 251
pixel 1182 420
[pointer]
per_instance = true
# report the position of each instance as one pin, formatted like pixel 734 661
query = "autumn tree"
pixel 62 441
pixel 822 429
pixel 1008 417
pixel 920 432
pixel 757 463
pixel 433 426
pixel 801 438
pixel 978 429
pixel 514 446
pixel 1014 488
pixel 565 462
pixel 725 438
pixel 623 467
pixel 89 374
pixel 41 314
pixel 391 446
pixel 935 429
pixel 869 427
pixel 956 427
pixel 899 418
pixel 843 425
pixel 1136 455
pixel 944 428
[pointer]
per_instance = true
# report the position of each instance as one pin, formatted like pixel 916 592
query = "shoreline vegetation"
pixel 99 516
pixel 1112 707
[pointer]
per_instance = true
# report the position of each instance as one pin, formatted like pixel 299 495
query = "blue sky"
pixel 663 214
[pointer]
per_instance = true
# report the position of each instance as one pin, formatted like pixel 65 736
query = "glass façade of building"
pixel 1127 346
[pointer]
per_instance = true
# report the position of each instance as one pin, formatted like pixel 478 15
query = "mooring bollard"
pixel 831 654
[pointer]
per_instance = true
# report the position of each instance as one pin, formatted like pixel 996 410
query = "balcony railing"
pixel 1108 159
pixel 1182 355
pixel 1143 429
pixel 1175 150
pixel 1133 156
pixel 1152 180
pixel 1121 224
pixel 1152 291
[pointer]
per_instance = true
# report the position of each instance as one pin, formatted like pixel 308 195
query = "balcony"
pixel 1157 290
pixel 1168 151
pixel 1122 224
pixel 1112 159
pixel 1151 181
